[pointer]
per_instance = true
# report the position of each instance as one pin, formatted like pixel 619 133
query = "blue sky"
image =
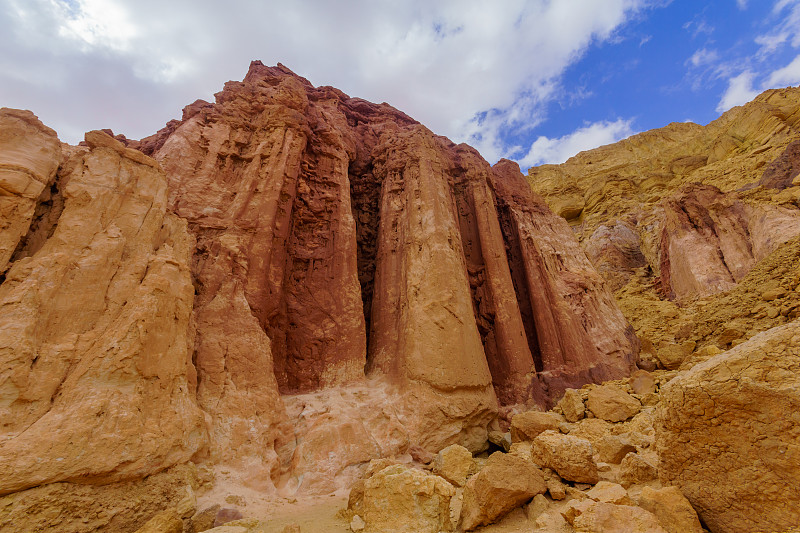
pixel 531 80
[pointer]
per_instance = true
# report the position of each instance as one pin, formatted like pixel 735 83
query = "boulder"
pixel 504 483
pixel 572 406
pixel 454 463
pixel 168 521
pixel 614 448
pixel 570 456
pixel 642 382
pixel 611 403
pixel 635 468
pixel 727 433
pixel 673 510
pixel 399 499
pixel 599 517
pixel 527 425
pixel 608 492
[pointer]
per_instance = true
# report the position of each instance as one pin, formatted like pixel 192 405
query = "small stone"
pixel 773 294
pixel 671 355
pixel 772 312
pixel 613 448
pixel 454 463
pixel 527 425
pixel 642 382
pixel 504 483
pixel 609 518
pixel 291 528
pixel 572 405
pixel 608 492
pixel 613 404
pixel 537 506
pixel 636 469
pixel 728 336
pixel 570 456
pixel 673 510
pixel 419 454
pixel 357 523
pixel 501 440
pixel 646 365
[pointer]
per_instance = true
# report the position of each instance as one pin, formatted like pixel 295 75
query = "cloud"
pixel 545 150
pixel 703 57
pixel 470 70
pixel 740 91
pixel 788 75
pixel 741 4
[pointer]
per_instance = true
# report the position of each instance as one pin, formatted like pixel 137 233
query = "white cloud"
pixel 741 4
pixel 788 75
pixel 740 91
pixel 466 69
pixel 546 150
pixel 703 57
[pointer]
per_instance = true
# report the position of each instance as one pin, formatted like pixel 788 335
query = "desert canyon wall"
pixel 196 294
pixel 293 292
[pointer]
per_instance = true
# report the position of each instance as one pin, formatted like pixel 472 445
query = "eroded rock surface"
pixel 727 434
pixel 96 380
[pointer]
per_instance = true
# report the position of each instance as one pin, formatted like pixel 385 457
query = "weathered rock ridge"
pixel 694 205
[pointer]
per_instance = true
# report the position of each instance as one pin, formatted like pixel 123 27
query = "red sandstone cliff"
pixel 362 288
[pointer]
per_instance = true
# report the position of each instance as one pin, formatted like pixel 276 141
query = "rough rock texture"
pixel 673 510
pixel 528 425
pixel 454 463
pixel 399 499
pixel 728 432
pixel 505 482
pixel 95 336
pixel 602 517
pixel 611 403
pixel 29 157
pixel 80 508
pixel 568 455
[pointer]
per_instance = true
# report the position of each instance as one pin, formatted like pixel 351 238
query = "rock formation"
pixel 345 235
pixel 96 380
pixel 683 202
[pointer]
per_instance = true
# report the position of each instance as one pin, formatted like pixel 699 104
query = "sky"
pixel 534 81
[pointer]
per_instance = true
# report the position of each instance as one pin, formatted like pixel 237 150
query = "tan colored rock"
pixel 642 382
pixel 555 487
pixel 29 157
pixel 454 463
pixel 635 468
pixel 672 355
pixel 727 433
pixel 608 492
pixel 551 521
pixel 164 522
pixel 504 483
pixel 592 429
pixel 673 510
pixel 527 425
pixel 538 505
pixel 611 403
pixel 572 405
pixel 399 499
pixel 97 383
pixel 614 448
pixel 570 456
pixel 81 508
pixel 602 517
